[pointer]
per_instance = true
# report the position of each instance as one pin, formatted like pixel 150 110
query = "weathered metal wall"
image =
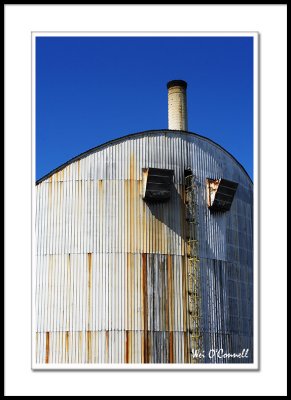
pixel 111 269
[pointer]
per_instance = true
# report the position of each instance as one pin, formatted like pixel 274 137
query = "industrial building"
pixel 144 251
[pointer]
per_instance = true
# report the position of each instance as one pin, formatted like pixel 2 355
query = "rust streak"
pixel 139 216
pixel 78 169
pixel 67 345
pixel 89 347
pixel 131 201
pixel 47 347
pixel 171 355
pixel 144 226
pixel 132 167
pixel 163 311
pixel 129 293
pixel 126 347
pixel 170 294
pixel 132 291
pixel 129 346
pixel 166 309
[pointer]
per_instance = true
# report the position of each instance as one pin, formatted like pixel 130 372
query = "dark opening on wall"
pixel 157 184
pixel 220 194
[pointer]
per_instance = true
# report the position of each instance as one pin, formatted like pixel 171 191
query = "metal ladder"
pixel 193 270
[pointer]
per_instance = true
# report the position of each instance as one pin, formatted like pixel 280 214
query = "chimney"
pixel 177 105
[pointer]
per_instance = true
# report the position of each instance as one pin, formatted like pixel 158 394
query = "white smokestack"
pixel 177 105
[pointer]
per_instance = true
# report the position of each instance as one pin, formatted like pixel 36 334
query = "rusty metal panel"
pixel 114 347
pixel 109 292
pixel 185 150
pixel 111 272
pixel 82 216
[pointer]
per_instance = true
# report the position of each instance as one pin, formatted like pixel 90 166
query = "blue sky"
pixel 93 89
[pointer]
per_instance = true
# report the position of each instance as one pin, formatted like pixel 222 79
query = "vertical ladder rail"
pixel 193 273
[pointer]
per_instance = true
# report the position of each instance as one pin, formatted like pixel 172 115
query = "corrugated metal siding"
pixel 110 292
pixel 110 347
pixel 106 216
pixel 111 269
pixel 227 302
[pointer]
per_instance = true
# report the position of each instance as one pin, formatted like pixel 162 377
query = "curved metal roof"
pixel 110 142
